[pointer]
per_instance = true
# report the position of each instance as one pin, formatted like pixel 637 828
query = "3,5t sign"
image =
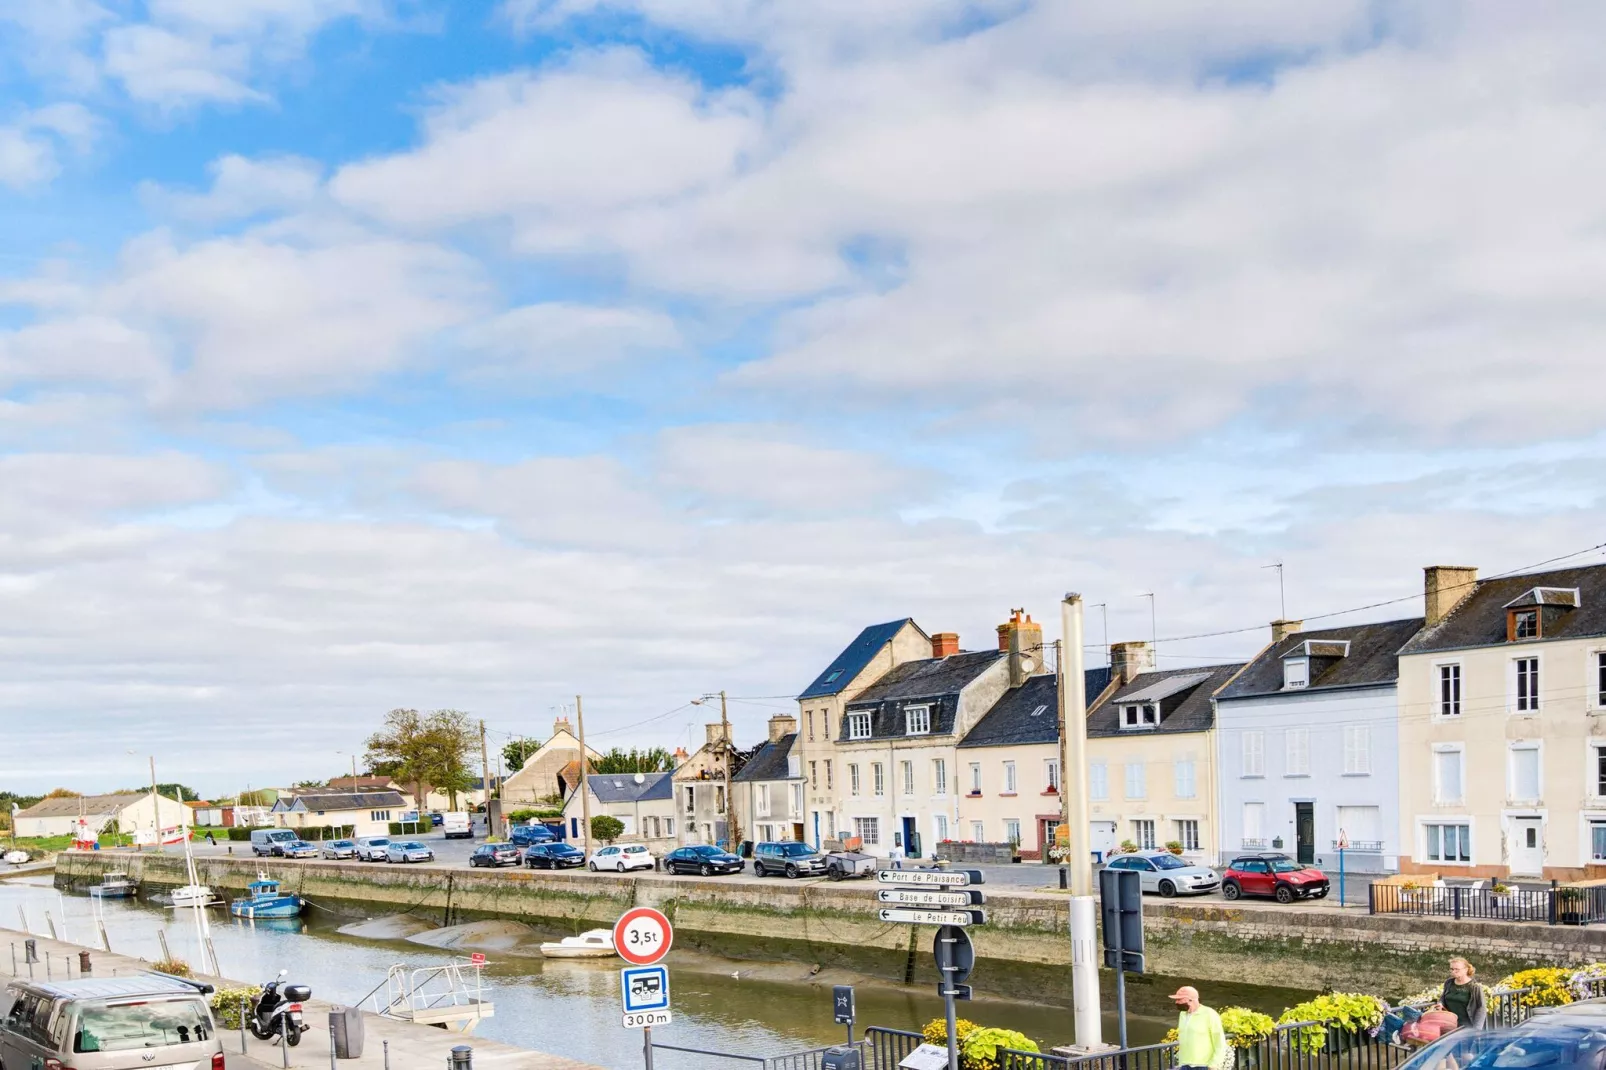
pixel 642 936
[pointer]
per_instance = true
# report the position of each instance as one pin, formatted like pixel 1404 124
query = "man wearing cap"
pixel 1200 1040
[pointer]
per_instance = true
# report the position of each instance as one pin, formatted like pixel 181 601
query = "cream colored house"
pixel 769 788
pixel 1152 755
pixel 643 802
pixel 366 813
pixel 1503 726
pixel 544 774
pixel 700 801
pixel 128 812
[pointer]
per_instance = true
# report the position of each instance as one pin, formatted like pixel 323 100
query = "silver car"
pixel 108 1023
pixel 408 851
pixel 340 849
pixel 372 848
pixel 1167 874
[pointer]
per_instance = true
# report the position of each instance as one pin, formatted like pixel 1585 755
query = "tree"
pixel 424 749
pixel 652 760
pixel 63 793
pixel 309 785
pixel 517 751
pixel 607 829
pixel 254 798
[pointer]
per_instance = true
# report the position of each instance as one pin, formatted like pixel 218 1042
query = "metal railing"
pixel 1552 906
pixel 1362 846
pixel 810 1059
pixel 886 1048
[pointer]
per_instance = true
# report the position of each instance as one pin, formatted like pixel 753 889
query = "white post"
pixel 1079 860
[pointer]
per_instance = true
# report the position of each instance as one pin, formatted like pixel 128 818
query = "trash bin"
pixel 840 1059
pixel 345 1031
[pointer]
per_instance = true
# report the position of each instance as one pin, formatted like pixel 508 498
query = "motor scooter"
pixel 276 1012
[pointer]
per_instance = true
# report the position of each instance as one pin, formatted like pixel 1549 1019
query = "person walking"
pixel 1201 1043
pixel 210 840
pixel 1463 996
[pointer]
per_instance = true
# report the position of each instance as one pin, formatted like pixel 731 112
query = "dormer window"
pixel 1524 624
pixel 859 726
pixel 1139 715
pixel 1296 673
pixel 1539 610
pixel 917 721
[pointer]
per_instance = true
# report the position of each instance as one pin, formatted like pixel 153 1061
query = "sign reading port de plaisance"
pixel 931 896
pixel 642 936
pixel 943 878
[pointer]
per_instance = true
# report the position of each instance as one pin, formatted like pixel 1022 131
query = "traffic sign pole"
pixel 946 970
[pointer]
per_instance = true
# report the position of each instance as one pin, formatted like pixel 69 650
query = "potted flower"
pixel 1128 847
pixel 1174 846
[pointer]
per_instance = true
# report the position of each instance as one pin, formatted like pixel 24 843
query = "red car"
pixel 1277 876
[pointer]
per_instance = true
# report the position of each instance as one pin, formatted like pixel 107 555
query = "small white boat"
pixel 114 886
pixel 592 944
pixel 194 895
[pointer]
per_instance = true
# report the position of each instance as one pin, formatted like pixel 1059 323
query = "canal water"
pixel 564 1007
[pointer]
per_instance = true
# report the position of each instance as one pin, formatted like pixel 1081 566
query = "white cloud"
pixel 31 144
pixel 561 339
pixel 242 188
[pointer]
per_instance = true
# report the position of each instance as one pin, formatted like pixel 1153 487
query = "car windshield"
pixel 343 843
pixel 1559 1048
pixel 793 850
pixel 412 847
pixel 152 1024
pixel 1283 865
pixel 1168 862
pixel 379 843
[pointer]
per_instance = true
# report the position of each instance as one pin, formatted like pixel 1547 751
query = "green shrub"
pixel 408 828
pixel 1550 985
pixel 518 817
pixel 243 832
pixel 607 829
pixel 176 967
pixel 1246 1028
pixel 980 1049
pixel 1351 1012
pixel 229 1006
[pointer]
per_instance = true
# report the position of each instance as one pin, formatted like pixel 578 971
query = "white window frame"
pixel 1252 753
pixel 1296 752
pixel 1098 781
pixel 1538 747
pixel 1188 833
pixel 1595 679
pixel 1143 833
pixel 978 832
pixel 853 778
pixel 1051 775
pixel 975 778
pixel 939 828
pixel 1594 756
pixel 1460 751
pixel 1442 823
pixel 1010 781
pixel 1012 830
pixel 762 803
pixel 917 721
pixel 859 725
pixel 1140 716
pixel 1184 786
pixel 1260 811
pixel 906 767
pixel 878 778
pixel 1135 775
pixel 868 829
pixel 797 799
pixel 1590 821
pixel 1448 707
pixel 1357 750
pixel 1296 674
pixel 939 776
pixel 1525 705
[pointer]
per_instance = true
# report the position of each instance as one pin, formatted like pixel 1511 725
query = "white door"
pixel 1527 847
pixel 1103 837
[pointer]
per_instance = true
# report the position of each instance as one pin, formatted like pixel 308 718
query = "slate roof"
pixel 1030 713
pixel 622 787
pixel 1371 661
pixel 1481 619
pixel 1195 713
pixel 769 762
pixel 848 664
pixel 362 783
pixel 929 677
pixel 342 800
pixel 94 805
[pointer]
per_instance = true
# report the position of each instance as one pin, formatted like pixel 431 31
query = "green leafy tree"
pixel 607 829
pixel 310 785
pixel 517 751
pixel 652 760
pixel 254 798
pixel 424 748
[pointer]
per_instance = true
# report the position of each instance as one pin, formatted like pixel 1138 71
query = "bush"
pixel 1351 1012
pixel 980 1049
pixel 408 828
pixel 518 817
pixel 607 829
pixel 229 1006
pixel 1246 1028
pixel 936 1031
pixel 176 967
pixel 1550 986
pixel 243 832
pixel 1174 846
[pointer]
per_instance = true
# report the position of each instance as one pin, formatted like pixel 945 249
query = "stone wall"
pixel 978 853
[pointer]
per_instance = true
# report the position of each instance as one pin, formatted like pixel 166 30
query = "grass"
pixel 42 844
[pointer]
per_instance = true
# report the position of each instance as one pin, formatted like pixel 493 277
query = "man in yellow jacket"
pixel 1200 1040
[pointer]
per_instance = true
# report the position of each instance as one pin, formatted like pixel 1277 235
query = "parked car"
pixel 1273 875
pixel 525 835
pixel 340 849
pixel 1165 873
pixel 271 841
pixel 436 819
pixel 109 1023
pixel 1553 1041
pixel 408 851
pixel 495 854
pixel 299 849
pixel 554 856
pixel 372 849
pixel 704 859
pixel 457 825
pixel 621 856
pixel 789 857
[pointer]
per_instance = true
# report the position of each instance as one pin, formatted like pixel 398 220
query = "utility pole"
pixel 156 807
pixel 585 773
pixel 1073 795
pixel 730 804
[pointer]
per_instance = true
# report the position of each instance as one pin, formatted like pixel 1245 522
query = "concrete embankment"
pixel 1024 948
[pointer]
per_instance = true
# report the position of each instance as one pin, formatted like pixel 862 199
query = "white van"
pixel 271 841
pixel 457 825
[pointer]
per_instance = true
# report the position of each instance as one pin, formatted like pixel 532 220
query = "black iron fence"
pixel 1551 906
pixel 886 1048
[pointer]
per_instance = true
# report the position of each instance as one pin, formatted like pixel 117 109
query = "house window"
pixel 828 774
pixel 941 823
pixel 831 679
pixel 877 780
pixel 1527 684
pixel 825 724
pixel 978 831
pixel 1598 781
pixel 669 826
pixel 1449 690
pixel 1447 842
pixel 1296 673
pixel 1182 773
pixel 1357 750
pixel 691 799
pixel 853 778
pixel 1143 834
pixel 917 721
pixel 1600 679
pixel 1136 780
pixel 1525 624
pixel 797 801
pixel 811 726
pixel 1296 745
pixel 868 829
pixel 1188 835
pixel 1254 825
pixel 939 776
pixel 1140 715
pixel 975 778
pixel 1011 830
pixel 1254 754
pixel 1051 775
pixel 908 770
pixel 1009 778
pixel 1597 841
pixel 1447 775
pixel 1098 781
pixel 1523 772
pixel 814 775
pixel 1363 825
pixel 858 726
pixel 763 800
pixel 379 815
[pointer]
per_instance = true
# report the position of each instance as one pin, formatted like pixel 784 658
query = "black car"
pixel 706 860
pixel 494 854
pixel 554 856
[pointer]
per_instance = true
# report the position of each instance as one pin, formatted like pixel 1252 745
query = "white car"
pixel 408 851
pixel 620 857
pixel 16 858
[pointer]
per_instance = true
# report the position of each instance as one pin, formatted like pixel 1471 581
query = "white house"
pixel 367 813
pixel 643 802
pixel 129 812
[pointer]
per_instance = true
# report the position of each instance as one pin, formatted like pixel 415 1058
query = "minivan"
pixel 271 841
pixel 108 1023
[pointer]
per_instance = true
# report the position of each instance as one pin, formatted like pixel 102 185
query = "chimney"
pixel 561 725
pixel 1282 629
pixel 944 644
pixel 1022 639
pixel 680 757
pixel 1127 660
pixel 1443 588
pixel 716 732
pixel 782 724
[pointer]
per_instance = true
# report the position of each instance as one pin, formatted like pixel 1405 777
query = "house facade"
pixel 1152 756
pixel 700 788
pixel 548 775
pixel 769 787
pixel 1503 711
pixel 1307 740
pixel 366 813
pixel 129 812
pixel 643 802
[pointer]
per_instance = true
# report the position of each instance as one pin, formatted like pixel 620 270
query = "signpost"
pixel 476 959
pixel 1121 900
pixel 842 1007
pixel 642 936
pixel 1343 845
pixel 947 899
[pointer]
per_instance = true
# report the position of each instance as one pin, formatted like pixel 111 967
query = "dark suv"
pixel 1277 876
pixel 792 859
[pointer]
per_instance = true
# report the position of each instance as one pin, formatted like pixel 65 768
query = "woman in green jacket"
pixel 1463 996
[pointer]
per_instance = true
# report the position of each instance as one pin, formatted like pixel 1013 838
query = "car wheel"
pixel 593 866
pixel 1167 889
pixel 758 870
pixel 1230 890
pixel 707 870
pixel 1283 894
pixel 791 871
pixel 621 867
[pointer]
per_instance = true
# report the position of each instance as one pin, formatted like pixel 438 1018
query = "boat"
pixel 592 944
pixel 114 886
pixel 266 901
pixel 193 895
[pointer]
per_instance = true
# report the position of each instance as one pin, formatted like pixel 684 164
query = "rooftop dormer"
pixel 1147 707
pixel 1537 610
pixel 1310 659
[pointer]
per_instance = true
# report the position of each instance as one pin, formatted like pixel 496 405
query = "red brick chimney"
pixel 945 644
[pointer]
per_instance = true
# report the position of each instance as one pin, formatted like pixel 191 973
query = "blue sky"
pixel 368 353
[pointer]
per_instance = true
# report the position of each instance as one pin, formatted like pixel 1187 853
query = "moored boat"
pixel 592 944
pixel 193 895
pixel 114 886
pixel 266 901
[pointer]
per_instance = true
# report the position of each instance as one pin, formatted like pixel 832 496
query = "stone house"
pixel 700 788
pixel 769 788
pixel 1503 723
pixel 1308 738
pixel 549 773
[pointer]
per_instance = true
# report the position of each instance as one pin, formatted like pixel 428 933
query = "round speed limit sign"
pixel 642 936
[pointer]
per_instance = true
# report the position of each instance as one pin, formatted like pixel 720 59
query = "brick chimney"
pixel 680 757
pixel 782 724
pixel 1129 659
pixel 945 644
pixel 1443 588
pixel 1282 629
pixel 561 725
pixel 1022 639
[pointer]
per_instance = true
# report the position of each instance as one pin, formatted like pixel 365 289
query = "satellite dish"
pixel 640 779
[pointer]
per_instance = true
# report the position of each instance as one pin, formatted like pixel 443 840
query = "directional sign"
pixel 915 916
pixel 642 936
pixel 476 959
pixel 919 897
pixel 644 988
pixel 952 878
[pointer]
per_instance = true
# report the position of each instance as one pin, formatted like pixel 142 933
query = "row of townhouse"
pixel 1472 738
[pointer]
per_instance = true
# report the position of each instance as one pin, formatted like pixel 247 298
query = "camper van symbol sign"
pixel 645 989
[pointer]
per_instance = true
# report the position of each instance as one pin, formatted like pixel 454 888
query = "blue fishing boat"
pixel 266 901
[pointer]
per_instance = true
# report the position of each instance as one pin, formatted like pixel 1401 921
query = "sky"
pixel 358 354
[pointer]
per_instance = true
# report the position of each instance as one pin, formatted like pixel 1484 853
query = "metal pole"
pixel 945 970
pixel 730 803
pixel 585 782
pixel 1120 983
pixel 1340 871
pixel 1073 795
pixel 387 1054
pixel 284 1038
pixel 646 1032
pixel 331 1043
